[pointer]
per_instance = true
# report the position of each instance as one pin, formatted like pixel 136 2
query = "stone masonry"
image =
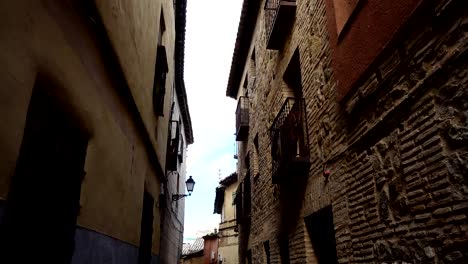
pixel 396 147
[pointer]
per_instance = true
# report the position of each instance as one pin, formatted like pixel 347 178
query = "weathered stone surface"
pixel 396 148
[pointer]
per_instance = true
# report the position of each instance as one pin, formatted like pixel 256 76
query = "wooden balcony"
pixel 242 119
pixel 279 18
pixel 289 142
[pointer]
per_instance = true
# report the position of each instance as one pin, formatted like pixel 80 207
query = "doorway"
pixel 322 234
pixel 146 229
pixel 43 202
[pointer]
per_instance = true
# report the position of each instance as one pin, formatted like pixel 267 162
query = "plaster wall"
pixel 55 42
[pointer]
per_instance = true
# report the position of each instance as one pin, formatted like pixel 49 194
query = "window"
pixel 243 200
pixel 292 76
pixel 266 247
pixel 162 28
pixel 248 258
pixel 284 250
pixel 146 233
pixel 161 69
pixel 279 18
pixel 180 152
pixel 173 146
pixel 322 235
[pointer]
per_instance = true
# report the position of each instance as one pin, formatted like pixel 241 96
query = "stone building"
pixel 193 253
pixel 204 250
pixel 210 248
pixel 351 122
pixel 228 244
pixel 93 130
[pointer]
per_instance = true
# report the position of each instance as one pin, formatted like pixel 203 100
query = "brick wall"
pixel 397 148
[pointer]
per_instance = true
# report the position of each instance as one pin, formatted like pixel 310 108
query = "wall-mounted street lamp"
pixel 190 184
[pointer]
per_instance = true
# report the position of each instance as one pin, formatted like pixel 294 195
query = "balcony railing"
pixel 279 17
pixel 289 142
pixel 242 119
pixel 243 201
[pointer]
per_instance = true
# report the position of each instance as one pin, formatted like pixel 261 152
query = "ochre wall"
pixel 49 39
pixel 230 254
pixel 133 28
pixel 193 260
pixel 228 207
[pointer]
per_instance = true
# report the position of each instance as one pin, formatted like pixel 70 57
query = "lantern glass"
pixel 190 184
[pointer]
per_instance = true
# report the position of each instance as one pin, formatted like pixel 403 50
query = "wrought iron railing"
pixel 271 13
pixel 289 140
pixel 242 117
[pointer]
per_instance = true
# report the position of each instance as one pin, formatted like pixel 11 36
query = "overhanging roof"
pixel 180 22
pixel 229 180
pixel 245 32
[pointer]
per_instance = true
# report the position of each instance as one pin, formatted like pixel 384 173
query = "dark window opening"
pixel 322 235
pixel 292 76
pixel 173 146
pixel 146 233
pixel 246 85
pixel 249 257
pixel 159 84
pixel 44 196
pixel 256 142
pixel 266 247
pixel 180 152
pixel 284 251
pixel 161 69
pixel 162 29
pixel 247 161
pixel 252 57
pixel 279 18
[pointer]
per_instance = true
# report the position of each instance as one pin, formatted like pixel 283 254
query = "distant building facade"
pixel 210 249
pixel 228 241
pixel 350 127
pixel 93 132
pixel 203 250
pixel 193 253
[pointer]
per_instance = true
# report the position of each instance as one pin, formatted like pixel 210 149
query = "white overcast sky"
pixel 210 37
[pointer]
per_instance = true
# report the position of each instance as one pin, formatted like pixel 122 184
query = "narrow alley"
pixel 319 131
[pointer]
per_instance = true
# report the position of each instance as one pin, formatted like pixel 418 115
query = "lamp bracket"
pixel 176 197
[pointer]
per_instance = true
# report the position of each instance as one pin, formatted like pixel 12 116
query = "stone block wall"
pixel 396 147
